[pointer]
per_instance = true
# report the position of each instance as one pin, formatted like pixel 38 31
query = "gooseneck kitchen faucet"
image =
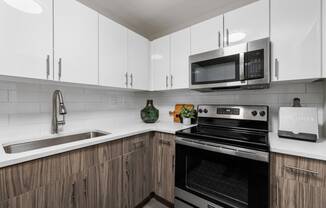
pixel 58 108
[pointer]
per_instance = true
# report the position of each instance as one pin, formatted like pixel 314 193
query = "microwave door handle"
pixel 241 67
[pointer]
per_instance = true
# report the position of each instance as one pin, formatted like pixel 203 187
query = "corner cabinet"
pixel 112 53
pixel 297 182
pixel 26 42
pixel 160 63
pixel 138 61
pixel 75 42
pixel 170 61
pixel 296 39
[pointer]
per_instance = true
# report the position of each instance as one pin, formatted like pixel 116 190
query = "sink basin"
pixel 27 146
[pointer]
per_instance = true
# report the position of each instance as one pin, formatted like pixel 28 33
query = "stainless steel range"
pixel 224 161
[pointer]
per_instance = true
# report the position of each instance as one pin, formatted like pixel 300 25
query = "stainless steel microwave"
pixel 245 66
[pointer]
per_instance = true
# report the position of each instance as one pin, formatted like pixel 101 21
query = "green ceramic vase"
pixel 149 114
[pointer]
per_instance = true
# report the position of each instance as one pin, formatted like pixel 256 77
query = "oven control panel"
pixel 257 113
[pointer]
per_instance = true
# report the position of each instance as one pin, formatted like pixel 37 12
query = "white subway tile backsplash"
pixel 25 108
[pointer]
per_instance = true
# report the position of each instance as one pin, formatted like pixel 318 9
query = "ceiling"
pixel 155 18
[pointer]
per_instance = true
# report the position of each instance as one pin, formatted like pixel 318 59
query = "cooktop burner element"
pixel 243 126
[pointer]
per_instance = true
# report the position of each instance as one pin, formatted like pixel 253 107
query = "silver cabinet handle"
pixel 219 39
pixel 171 80
pixel 131 80
pixel 47 66
pixel 227 37
pixel 300 171
pixel 167 81
pixel 277 68
pixel 127 82
pixel 60 68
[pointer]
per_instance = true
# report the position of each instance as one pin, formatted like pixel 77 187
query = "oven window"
pixel 221 177
pixel 218 70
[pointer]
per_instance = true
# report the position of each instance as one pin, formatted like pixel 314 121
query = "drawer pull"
pixel 300 171
pixel 140 144
pixel 165 142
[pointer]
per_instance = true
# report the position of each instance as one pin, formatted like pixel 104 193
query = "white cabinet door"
pixel 160 59
pixel 207 35
pixel 180 51
pixel 75 42
pixel 247 23
pixel 138 61
pixel 26 40
pixel 296 39
pixel 113 53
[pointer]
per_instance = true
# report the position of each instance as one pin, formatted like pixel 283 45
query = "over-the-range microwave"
pixel 244 66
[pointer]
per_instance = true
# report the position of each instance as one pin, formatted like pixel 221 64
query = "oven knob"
pixel 200 110
pixel 205 111
pixel 254 113
pixel 262 113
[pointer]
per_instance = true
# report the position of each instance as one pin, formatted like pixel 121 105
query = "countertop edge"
pixel 14 159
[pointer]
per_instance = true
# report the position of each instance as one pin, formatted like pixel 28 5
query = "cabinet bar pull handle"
pixel 85 186
pixel 126 75
pixel 171 77
pixel 173 162
pixel 131 80
pixel 73 197
pixel 277 66
pixel 219 39
pixel 300 171
pixel 227 37
pixel 47 66
pixel 60 68
pixel 167 81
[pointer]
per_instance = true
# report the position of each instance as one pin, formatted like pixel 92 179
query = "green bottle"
pixel 149 114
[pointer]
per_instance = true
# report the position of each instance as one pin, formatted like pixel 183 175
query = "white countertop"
pixel 118 133
pixel 298 148
pixel 277 145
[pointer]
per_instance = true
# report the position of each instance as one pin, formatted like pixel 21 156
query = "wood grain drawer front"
pixel 299 169
pixel 293 194
pixel 135 143
pixel 18 179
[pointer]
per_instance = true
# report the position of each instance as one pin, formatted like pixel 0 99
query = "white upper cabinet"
pixel 247 23
pixel 160 60
pixel 138 61
pixel 26 40
pixel 207 35
pixel 180 51
pixel 112 53
pixel 75 42
pixel 296 39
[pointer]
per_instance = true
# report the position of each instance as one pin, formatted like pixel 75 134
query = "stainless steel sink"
pixel 27 146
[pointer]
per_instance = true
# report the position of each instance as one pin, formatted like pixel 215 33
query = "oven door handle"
pixel 225 149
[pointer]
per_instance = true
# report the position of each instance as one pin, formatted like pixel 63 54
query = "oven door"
pixel 219 68
pixel 222 177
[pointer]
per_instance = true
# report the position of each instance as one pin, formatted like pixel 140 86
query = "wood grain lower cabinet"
pixel 65 180
pixel 116 174
pixel 104 185
pixel 136 170
pixel 297 182
pixel 164 165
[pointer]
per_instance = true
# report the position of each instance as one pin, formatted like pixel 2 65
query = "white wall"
pixel 278 95
pixel 25 109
